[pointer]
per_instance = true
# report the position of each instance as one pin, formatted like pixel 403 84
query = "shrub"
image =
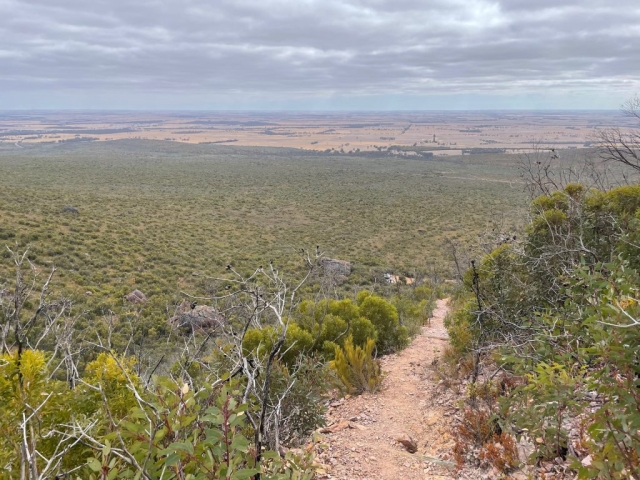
pixel 261 341
pixel 301 410
pixel 27 392
pixel 362 330
pixel 113 374
pixel 501 453
pixel 561 310
pixel 458 324
pixel 356 367
pixel 384 317
pixel 192 435
pixel 334 329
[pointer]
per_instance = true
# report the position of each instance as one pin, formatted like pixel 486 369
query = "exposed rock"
pixel 335 427
pixel 525 449
pixel 197 317
pixel 395 279
pixel 336 267
pixel 356 426
pixel 408 443
pixel 70 209
pixel 136 297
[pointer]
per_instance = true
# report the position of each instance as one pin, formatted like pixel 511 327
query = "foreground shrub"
pixel 384 317
pixel 167 431
pixel 112 374
pixel 26 392
pixel 501 453
pixel 261 341
pixel 178 433
pixel 356 367
pixel 561 309
pixel 297 393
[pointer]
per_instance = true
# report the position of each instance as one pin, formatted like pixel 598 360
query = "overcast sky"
pixel 319 54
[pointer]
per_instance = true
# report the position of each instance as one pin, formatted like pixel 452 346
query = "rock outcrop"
pixel 333 266
pixel 70 209
pixel 193 317
pixel 136 297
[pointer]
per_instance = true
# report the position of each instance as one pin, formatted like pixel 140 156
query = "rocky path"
pixel 361 440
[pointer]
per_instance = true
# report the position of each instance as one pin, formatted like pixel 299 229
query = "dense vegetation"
pixel 75 403
pixel 227 359
pixel 152 213
pixel 548 328
pixel 164 218
pixel 94 386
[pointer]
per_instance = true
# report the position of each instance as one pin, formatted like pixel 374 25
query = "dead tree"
pixel 620 145
pixel 22 326
pixel 263 298
pixel 545 170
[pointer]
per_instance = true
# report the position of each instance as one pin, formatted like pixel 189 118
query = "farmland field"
pixel 444 133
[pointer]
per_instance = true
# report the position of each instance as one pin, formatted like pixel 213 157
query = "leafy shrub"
pixel 331 321
pixel 384 317
pixel 24 386
pixel 301 410
pixel 181 434
pixel 261 341
pixel 356 367
pixel 167 431
pixel 458 324
pixel 333 329
pixel 113 374
pixel 545 403
pixel 562 310
pixel 362 330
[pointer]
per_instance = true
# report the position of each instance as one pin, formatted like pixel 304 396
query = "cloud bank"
pixel 308 54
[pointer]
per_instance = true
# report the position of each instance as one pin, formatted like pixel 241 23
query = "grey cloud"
pixel 303 48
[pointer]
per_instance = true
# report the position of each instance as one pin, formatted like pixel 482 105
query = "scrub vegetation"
pixel 547 329
pixel 183 311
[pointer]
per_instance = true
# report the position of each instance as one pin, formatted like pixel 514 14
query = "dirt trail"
pixel 361 437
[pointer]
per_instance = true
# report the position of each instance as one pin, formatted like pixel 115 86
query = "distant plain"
pixel 158 214
pixel 445 133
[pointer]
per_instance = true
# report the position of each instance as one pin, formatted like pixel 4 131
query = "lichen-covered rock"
pixel 136 297
pixel 70 209
pixel 197 317
pixel 336 267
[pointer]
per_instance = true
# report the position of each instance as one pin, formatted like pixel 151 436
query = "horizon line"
pixel 103 110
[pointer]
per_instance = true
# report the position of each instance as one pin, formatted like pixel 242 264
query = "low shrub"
pixel 356 367
pixel 501 453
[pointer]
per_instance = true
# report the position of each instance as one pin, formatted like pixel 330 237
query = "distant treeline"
pixel 232 122
pixel 75 131
pixel 219 141
pixel 474 151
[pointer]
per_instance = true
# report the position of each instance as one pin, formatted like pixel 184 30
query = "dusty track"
pixel 361 440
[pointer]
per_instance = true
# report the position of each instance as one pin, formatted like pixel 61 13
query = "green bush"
pixel 362 329
pixel 356 367
pixel 170 432
pixel 384 317
pixel 261 341
pixel 561 309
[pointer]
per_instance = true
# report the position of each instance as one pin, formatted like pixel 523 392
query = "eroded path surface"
pixel 361 440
